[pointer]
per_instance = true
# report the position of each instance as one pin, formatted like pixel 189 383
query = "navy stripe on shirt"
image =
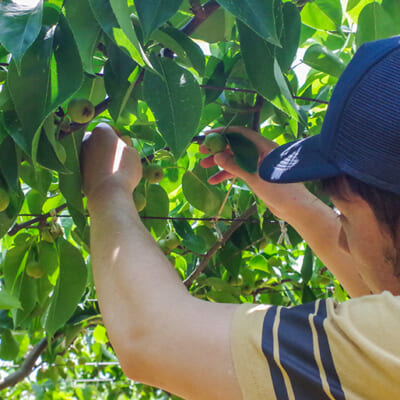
pixel 297 353
pixel 268 349
pixel 326 355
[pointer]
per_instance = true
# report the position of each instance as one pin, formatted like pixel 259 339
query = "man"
pixel 322 350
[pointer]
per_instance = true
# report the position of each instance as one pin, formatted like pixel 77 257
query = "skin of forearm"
pixel 318 225
pixel 131 274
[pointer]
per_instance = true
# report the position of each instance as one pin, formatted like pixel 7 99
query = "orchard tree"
pixel 161 72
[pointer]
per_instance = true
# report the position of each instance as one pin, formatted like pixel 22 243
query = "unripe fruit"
pixel 172 241
pixel 140 200
pixel 81 111
pixel 163 246
pixel 4 199
pixel 236 281
pixel 34 270
pixel 215 142
pixel 153 173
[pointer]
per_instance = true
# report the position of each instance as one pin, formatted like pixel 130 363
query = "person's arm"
pixel 316 223
pixel 161 334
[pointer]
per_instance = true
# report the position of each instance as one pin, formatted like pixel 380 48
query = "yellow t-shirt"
pixel 321 350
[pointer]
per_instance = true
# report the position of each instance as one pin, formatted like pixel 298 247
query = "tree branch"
pixel 28 364
pixel 200 15
pixel 17 227
pixel 236 225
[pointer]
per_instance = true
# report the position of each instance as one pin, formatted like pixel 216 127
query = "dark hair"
pixel 384 204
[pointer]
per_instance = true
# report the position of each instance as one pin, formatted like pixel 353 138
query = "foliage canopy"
pixel 160 71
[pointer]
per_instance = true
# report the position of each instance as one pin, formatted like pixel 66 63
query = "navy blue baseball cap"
pixel 360 135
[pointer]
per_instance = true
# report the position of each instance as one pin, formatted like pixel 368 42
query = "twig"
pixel 200 15
pixel 28 365
pixel 310 99
pixel 257 114
pixel 189 280
pixel 17 227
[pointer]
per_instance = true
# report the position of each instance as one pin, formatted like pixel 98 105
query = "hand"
pixel 108 164
pixel 226 161
pixel 280 198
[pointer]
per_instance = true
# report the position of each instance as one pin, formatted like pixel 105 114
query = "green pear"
pixel 153 173
pixel 81 110
pixel 215 143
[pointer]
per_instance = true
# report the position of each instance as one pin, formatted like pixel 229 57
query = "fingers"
pixel 227 162
pixel 219 177
pixel 225 159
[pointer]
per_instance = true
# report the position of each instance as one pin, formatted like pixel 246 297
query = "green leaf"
pixel 20 24
pixel 256 52
pixel 289 36
pixel 116 26
pixel 258 15
pixel 201 194
pixel 190 240
pixel 175 99
pixel 378 21
pixel 216 28
pixel 313 16
pixel 308 295
pixel 9 347
pixel 9 161
pixel 153 13
pixel 11 265
pixel 244 151
pixel 259 262
pixel 70 286
pixel 85 29
pixel 26 290
pixel 332 9
pixel 100 335
pixel 323 59
pixel 307 266
pixel 46 155
pixel 7 217
pixel 121 12
pixel 37 177
pixel 51 71
pixel 157 205
pixel 8 301
pixel 29 88
pixel 50 129
pixel 66 68
pixel 71 184
pixel 351 4
pixel 188 52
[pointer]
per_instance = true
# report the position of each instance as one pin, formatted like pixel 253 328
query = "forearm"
pixel 318 225
pixel 133 278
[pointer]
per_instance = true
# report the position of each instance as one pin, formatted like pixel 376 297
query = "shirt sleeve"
pixel 321 350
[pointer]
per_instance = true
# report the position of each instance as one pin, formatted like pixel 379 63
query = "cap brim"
pixel 297 161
